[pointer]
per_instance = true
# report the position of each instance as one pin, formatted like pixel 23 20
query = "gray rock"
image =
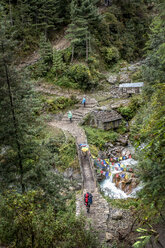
pixel 109 236
pixel 76 176
pixel 133 68
pixel 124 78
pixel 123 140
pixel 118 215
pixel 112 79
pixel 68 173
pixel 78 186
pixel 71 188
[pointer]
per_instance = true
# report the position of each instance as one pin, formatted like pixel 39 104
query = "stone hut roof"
pixel 107 115
pixel 132 85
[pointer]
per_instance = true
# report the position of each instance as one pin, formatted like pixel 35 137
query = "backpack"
pixel 90 198
pixel 86 198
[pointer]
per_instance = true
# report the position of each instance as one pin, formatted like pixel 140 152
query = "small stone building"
pixel 131 88
pixel 105 119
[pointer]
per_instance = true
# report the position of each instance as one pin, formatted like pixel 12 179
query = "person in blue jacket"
pixel 84 101
pixel 88 201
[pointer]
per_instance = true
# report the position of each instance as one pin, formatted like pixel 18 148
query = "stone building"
pixel 131 88
pixel 105 119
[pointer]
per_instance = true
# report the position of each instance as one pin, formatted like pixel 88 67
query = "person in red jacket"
pixel 88 201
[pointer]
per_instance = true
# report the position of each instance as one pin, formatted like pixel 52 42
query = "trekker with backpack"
pixel 84 101
pixel 88 200
pixel 70 116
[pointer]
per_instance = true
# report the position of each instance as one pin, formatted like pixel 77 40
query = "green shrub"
pixel 59 104
pixel 111 54
pixel 68 155
pixel 66 54
pixel 128 112
pixel 93 62
pixel 137 75
pixel 63 151
pixel 66 82
pixel 122 127
pixel 99 137
pixel 81 75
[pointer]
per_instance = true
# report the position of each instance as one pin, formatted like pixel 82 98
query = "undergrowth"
pixel 99 137
pixel 63 150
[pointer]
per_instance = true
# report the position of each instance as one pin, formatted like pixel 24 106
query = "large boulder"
pixel 109 236
pixel 118 215
pixel 112 78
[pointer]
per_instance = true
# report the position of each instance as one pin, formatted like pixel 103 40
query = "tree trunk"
pixel 14 122
pixel 90 48
pixel 10 11
pixel 72 58
pixel 87 47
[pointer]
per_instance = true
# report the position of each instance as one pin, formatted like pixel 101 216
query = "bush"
pixel 68 155
pixel 66 82
pixel 122 127
pixel 66 54
pixel 94 150
pixel 99 137
pixel 111 54
pixel 128 112
pixel 93 62
pixel 59 104
pixel 80 74
pixel 28 220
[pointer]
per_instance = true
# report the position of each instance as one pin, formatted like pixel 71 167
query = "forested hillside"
pixel 52 54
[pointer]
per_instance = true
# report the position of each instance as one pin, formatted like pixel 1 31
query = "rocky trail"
pixel 105 220
pixel 99 209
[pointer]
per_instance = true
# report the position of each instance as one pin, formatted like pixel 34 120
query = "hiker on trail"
pixel 84 101
pixel 84 151
pixel 88 200
pixel 70 116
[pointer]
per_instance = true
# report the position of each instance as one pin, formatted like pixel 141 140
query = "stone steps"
pixel 87 106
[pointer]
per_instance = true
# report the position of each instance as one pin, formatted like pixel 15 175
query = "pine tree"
pixel 46 54
pixel 84 16
pixel 24 160
pixel 58 64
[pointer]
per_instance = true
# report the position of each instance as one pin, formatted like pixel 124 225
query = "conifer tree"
pixel 58 64
pixel 84 16
pixel 23 160
pixel 46 54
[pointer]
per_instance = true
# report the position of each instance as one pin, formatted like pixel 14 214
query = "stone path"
pixel 99 211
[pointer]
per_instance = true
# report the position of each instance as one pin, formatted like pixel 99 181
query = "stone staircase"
pixel 80 111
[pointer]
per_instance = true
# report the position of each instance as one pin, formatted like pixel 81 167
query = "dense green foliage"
pixel 29 18
pixel 58 104
pixel 64 152
pixel 84 18
pixel 128 112
pixel 99 137
pixel 34 200
pixel 29 221
pixel 148 130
